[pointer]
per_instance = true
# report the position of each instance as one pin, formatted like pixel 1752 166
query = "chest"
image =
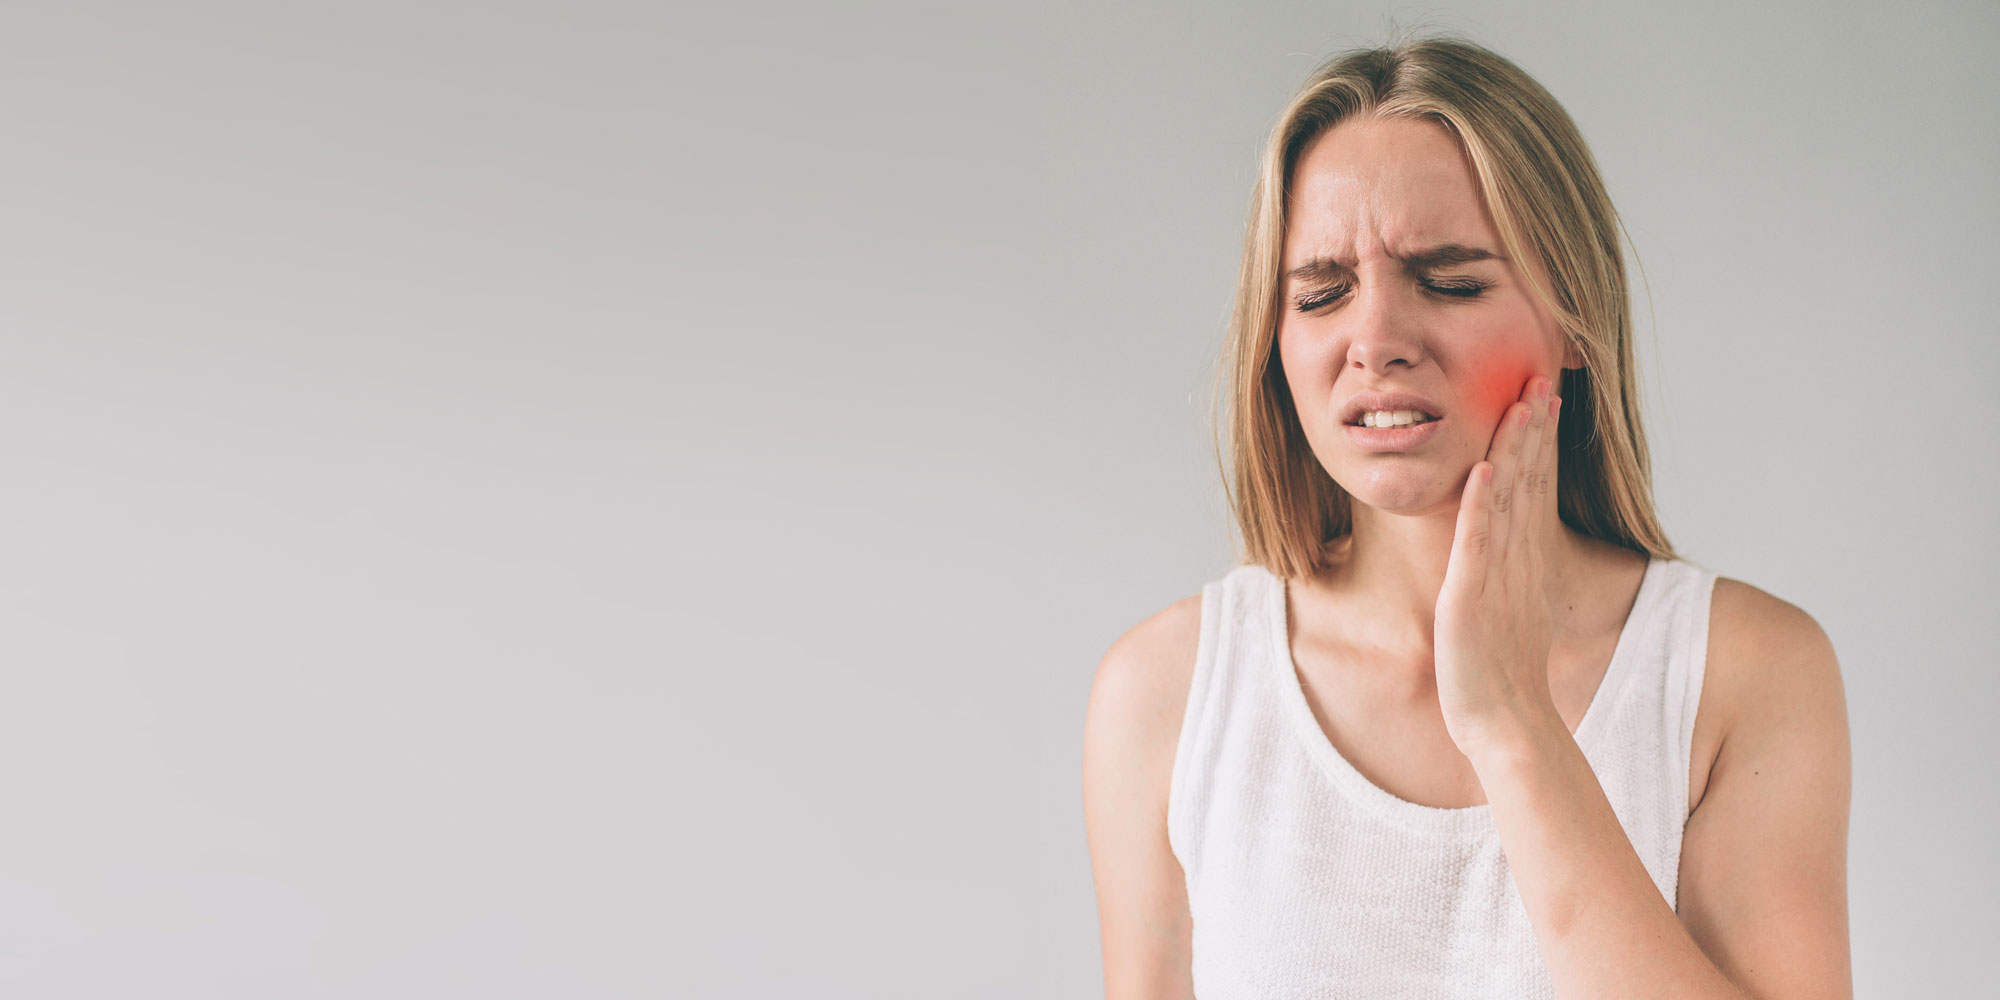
pixel 1385 720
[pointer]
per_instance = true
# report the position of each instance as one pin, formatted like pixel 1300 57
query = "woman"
pixel 1463 724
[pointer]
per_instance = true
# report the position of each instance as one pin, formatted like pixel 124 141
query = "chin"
pixel 1411 491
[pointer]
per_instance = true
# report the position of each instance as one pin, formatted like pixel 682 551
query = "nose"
pixel 1383 330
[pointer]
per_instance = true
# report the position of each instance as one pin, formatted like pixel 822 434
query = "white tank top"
pixel 1305 879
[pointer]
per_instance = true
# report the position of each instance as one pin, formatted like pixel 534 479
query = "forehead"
pixel 1370 186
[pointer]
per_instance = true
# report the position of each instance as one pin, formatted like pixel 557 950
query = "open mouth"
pixel 1394 419
pixel 1392 437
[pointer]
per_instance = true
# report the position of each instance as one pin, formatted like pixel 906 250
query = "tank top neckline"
pixel 1463 822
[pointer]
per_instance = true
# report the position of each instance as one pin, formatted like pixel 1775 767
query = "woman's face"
pixel 1369 307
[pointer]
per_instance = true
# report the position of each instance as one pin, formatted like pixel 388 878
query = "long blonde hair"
pixel 1542 187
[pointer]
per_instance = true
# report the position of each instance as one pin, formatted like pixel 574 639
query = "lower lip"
pixel 1392 438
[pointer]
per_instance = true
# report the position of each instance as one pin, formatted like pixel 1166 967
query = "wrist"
pixel 1524 743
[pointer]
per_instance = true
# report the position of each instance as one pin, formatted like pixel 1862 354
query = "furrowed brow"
pixel 1449 254
pixel 1443 255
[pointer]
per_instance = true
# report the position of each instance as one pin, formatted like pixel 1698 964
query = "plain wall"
pixel 619 500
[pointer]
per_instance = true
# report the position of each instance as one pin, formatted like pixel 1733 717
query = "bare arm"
pixel 1131 728
pixel 1764 859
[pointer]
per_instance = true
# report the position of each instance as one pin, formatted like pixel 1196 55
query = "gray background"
pixel 587 500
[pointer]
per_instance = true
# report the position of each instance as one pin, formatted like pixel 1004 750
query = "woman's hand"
pixel 1492 629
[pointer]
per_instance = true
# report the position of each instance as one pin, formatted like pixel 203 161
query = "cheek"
pixel 1516 343
pixel 1304 364
pixel 1497 384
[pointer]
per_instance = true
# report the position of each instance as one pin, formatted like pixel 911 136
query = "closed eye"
pixel 1309 303
pixel 1459 288
pixel 1465 288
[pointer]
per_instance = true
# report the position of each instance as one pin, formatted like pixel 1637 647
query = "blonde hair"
pixel 1542 188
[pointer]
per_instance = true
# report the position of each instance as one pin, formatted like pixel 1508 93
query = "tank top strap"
pixel 1686 666
pixel 1224 693
pixel 1641 749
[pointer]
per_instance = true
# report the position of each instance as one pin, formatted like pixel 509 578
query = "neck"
pixel 1389 570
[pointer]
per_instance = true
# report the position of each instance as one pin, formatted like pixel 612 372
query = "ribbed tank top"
pixel 1306 879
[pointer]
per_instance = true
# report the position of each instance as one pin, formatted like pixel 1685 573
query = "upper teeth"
pixel 1393 418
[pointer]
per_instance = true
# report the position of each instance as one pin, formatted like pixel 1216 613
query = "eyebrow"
pixel 1442 255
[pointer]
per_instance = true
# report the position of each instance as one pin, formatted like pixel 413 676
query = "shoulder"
pixel 1765 652
pixel 1772 681
pixel 1140 689
pixel 1748 614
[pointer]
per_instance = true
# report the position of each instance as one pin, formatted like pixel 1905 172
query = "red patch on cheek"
pixel 1499 387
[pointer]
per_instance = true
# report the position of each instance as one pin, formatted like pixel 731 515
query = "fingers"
pixel 1472 542
pixel 1531 440
pixel 1505 455
pixel 1533 482
pixel 1522 455
pixel 1543 484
